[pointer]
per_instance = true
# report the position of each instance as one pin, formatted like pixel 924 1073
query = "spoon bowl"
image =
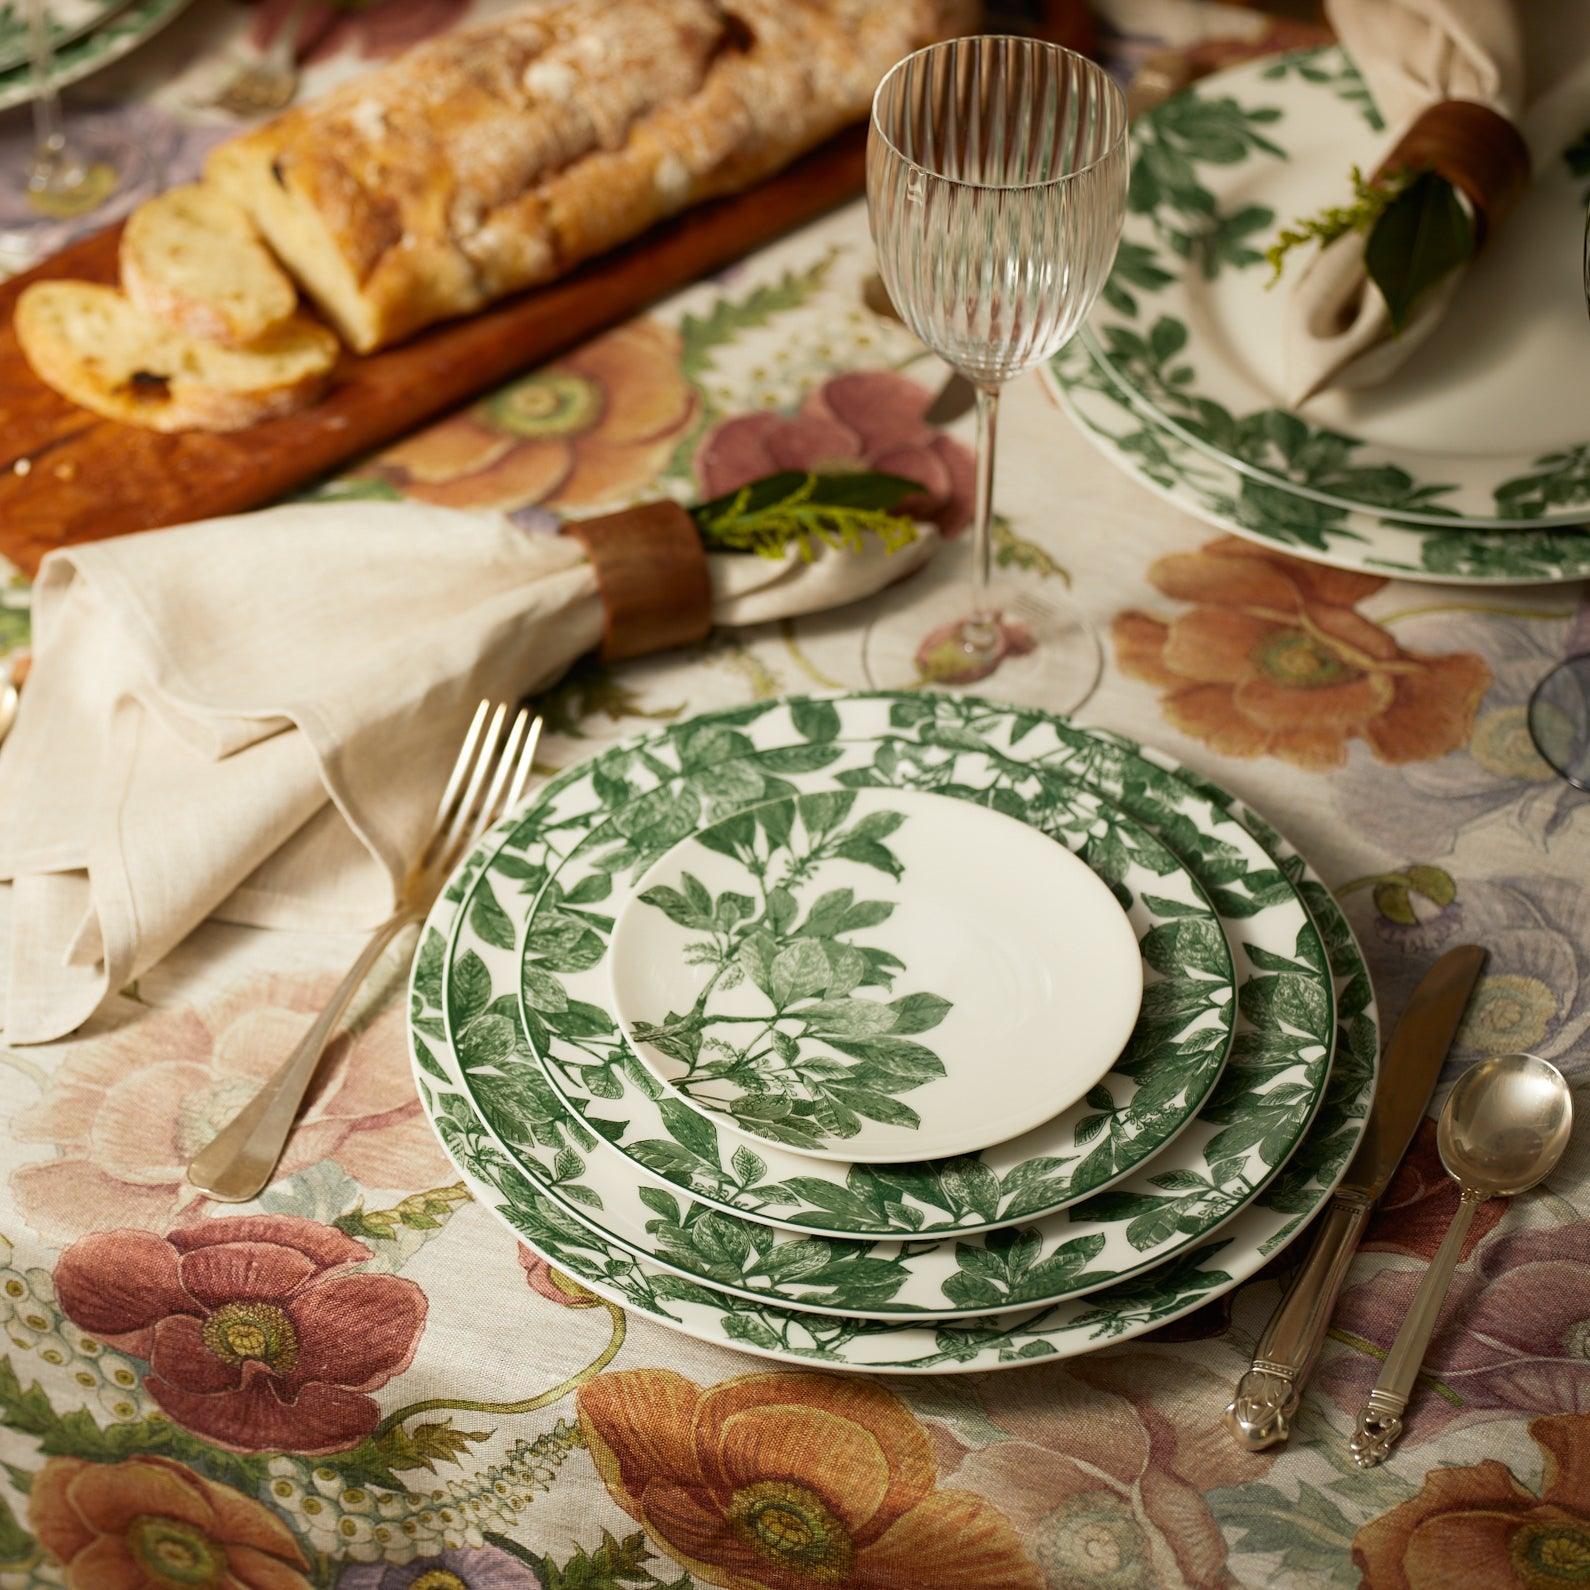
pixel 1505 1125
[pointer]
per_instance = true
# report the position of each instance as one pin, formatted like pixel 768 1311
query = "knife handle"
pixel 1268 1393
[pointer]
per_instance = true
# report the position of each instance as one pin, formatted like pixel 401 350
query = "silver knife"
pixel 1267 1395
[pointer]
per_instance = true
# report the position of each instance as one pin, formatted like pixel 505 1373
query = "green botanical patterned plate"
pixel 1241 1139
pixel 111 39
pixel 1210 490
pixel 892 975
pixel 1114 1313
pixel 1485 425
pixel 1129 1117
pixel 1096 1241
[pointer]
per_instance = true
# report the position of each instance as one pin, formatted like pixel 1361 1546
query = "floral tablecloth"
pixel 363 1381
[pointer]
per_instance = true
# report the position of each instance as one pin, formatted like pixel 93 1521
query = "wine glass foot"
pixel 92 180
pixel 1028 648
pixel 1559 720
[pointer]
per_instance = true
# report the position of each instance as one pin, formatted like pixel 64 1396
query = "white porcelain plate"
pixel 891 975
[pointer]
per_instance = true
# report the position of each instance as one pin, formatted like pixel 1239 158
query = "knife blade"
pixel 1267 1395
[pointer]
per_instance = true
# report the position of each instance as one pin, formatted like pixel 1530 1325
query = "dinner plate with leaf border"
pixel 1207 488
pixel 1094 1242
pixel 1483 427
pixel 1113 1313
pixel 1080 1154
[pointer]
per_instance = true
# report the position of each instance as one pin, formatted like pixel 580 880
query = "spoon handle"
pixel 1380 1424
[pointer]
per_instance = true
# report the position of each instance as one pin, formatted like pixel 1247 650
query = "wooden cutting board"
pixel 66 475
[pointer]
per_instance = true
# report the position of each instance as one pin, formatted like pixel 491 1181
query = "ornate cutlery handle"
pixel 1267 1395
pixel 1380 1423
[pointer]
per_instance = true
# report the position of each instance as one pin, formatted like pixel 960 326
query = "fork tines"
pixel 487 780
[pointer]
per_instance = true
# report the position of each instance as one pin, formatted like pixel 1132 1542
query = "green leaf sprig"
pixel 1417 231
pixel 801 511
pixel 1371 196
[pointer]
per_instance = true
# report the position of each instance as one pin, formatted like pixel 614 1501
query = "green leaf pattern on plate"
pixel 1217 492
pixel 823 1053
pixel 1140 328
pixel 939 1280
pixel 1116 1312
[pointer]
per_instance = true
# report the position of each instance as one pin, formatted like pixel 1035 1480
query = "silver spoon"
pixel 1502 1130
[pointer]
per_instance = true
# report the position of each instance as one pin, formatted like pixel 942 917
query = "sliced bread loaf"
pixel 94 347
pixel 192 258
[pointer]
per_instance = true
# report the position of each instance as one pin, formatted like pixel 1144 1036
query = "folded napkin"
pixel 1527 60
pixel 251 718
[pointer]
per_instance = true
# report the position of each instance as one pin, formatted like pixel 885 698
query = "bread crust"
pixel 500 156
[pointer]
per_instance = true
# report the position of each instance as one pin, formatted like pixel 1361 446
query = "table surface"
pixel 509 1434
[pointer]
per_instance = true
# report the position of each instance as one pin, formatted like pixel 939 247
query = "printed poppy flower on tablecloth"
pixel 593 430
pixel 1273 659
pixel 1514 1338
pixel 1106 1472
pixel 150 1524
pixel 128 1110
pixel 1475 1524
pixel 781 1481
pixel 865 419
pixel 260 1332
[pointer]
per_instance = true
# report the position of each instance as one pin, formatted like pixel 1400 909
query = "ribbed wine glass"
pixel 996 188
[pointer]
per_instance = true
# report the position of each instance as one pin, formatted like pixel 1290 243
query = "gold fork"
pixel 485 785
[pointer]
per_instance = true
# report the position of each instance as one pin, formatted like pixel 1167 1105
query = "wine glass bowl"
pixel 996 191
pixel 996 180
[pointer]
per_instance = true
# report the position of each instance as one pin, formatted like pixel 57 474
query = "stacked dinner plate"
pixel 1470 464
pixel 894 1032
pixel 84 35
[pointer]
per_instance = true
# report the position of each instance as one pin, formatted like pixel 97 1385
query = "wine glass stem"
pixel 50 157
pixel 980 633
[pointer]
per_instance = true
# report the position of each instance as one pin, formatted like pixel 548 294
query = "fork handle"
pixel 239 1161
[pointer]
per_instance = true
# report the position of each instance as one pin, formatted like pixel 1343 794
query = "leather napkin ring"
pixel 651 573
pixel 1476 149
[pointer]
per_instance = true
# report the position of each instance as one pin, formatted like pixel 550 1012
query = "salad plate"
pixel 878 975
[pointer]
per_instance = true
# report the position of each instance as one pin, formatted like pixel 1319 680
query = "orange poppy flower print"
pixel 151 1524
pixel 594 429
pixel 783 1481
pixel 1476 1525
pixel 1273 659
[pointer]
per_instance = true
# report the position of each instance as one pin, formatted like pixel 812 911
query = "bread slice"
pixel 95 348
pixel 192 258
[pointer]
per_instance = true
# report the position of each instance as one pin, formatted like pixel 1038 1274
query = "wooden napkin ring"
pixel 1476 149
pixel 651 573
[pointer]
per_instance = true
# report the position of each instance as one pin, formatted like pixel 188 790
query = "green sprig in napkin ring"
pixel 650 561
pixel 1454 175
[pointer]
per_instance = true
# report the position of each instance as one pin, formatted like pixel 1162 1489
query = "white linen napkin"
pixel 1528 60
pixel 251 718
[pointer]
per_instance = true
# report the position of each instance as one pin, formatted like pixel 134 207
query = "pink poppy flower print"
pixel 261 1335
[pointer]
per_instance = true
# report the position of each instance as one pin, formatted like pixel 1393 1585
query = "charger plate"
pixel 1119 1310
pixel 1483 426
